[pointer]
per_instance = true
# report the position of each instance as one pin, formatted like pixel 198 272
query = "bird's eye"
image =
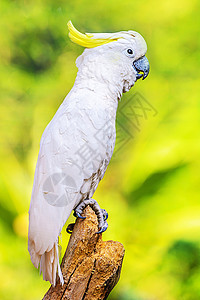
pixel 130 51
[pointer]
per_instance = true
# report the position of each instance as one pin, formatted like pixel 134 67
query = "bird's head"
pixel 117 58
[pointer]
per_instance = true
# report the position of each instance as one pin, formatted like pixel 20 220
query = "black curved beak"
pixel 141 65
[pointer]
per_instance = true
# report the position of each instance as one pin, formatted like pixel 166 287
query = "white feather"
pixel 60 143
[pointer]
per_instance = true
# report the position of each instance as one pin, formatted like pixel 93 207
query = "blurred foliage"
pixel 151 188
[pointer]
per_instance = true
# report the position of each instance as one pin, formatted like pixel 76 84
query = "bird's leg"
pixel 102 214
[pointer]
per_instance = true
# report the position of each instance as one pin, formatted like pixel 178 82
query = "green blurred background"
pixel 151 188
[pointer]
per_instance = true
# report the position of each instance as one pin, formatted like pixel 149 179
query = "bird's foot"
pixel 102 214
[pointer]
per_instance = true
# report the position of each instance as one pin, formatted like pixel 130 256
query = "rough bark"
pixel 90 266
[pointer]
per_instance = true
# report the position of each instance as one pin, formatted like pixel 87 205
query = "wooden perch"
pixel 90 266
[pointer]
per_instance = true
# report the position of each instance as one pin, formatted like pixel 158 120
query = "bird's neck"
pixel 104 77
pixel 100 79
pixel 105 89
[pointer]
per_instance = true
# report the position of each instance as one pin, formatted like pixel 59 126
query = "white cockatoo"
pixel 78 143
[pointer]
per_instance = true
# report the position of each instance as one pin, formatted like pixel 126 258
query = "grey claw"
pixel 103 228
pixel 70 228
pixel 102 214
pixel 105 214
pixel 79 216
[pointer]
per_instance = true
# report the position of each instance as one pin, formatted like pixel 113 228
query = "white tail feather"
pixel 49 263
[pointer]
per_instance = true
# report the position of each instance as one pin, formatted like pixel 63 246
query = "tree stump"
pixel 90 266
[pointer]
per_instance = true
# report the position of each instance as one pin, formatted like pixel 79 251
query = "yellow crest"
pixel 88 40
